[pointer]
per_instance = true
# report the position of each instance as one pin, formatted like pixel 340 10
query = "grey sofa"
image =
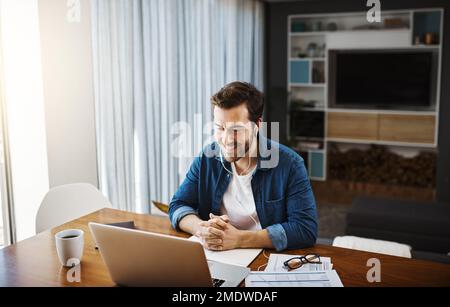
pixel 424 226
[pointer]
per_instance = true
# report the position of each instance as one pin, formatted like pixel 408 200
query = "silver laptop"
pixel 140 258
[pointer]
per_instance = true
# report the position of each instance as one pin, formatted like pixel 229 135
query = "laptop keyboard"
pixel 217 282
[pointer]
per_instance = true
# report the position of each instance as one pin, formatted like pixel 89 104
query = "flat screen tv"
pixel 382 79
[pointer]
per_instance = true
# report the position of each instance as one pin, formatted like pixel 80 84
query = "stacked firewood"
pixel 380 165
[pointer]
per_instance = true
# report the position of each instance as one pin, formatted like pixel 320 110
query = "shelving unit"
pixel 310 37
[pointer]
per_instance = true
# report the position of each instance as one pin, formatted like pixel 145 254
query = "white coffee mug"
pixel 69 245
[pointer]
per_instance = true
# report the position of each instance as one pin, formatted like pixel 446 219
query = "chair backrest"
pixel 161 206
pixel 67 202
pixel 372 245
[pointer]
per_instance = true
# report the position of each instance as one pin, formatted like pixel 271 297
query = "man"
pixel 232 197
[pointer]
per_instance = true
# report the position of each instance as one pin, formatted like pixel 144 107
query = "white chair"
pixel 67 202
pixel 374 246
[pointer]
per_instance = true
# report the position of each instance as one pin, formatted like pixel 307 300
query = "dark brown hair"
pixel 236 93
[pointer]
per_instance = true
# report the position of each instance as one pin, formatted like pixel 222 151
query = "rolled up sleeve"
pixel 179 213
pixel 277 235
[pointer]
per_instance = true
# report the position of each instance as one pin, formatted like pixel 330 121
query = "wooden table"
pixel 34 262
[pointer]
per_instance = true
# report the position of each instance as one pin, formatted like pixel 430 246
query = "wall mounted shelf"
pixel 310 37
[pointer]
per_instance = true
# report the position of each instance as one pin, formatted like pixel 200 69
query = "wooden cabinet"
pixel 361 126
pixel 407 128
pixel 379 127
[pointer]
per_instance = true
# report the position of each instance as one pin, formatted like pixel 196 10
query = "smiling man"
pixel 232 197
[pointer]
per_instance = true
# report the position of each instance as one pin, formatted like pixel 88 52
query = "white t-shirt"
pixel 238 202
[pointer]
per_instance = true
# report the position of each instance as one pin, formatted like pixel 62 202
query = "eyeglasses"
pixel 297 262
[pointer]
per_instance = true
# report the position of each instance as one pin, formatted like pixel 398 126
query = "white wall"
pixel 68 93
pixel 24 108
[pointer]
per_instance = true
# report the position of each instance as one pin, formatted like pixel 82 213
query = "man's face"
pixel 233 131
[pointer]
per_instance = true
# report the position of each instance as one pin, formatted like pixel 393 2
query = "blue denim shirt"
pixel 283 196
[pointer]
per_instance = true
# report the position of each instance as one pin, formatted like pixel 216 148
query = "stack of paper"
pixel 293 279
pixel 308 275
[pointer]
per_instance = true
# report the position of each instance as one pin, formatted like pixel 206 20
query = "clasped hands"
pixel 218 234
